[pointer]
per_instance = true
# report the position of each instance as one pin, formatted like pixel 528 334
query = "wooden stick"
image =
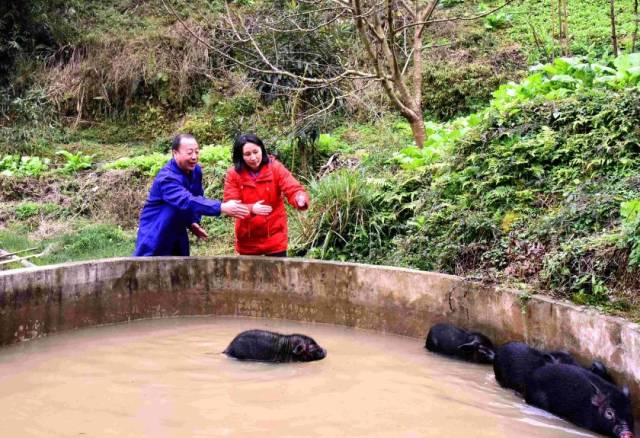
pixel 22 260
pixel 4 254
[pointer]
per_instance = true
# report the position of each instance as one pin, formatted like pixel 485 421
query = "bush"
pixel 584 269
pixel 339 216
pixel 224 120
pixel 630 214
pixel 28 210
pixel 542 187
pixel 74 162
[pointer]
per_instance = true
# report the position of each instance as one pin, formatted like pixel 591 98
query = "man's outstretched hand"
pixel 199 231
pixel 234 208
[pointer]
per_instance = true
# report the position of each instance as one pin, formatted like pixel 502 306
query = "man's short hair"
pixel 175 143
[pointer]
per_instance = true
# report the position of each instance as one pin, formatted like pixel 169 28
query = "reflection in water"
pixel 167 378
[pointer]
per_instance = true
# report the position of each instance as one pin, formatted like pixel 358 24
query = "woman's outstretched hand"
pixel 301 201
pixel 260 209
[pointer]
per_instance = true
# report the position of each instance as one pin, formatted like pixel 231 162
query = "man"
pixel 176 203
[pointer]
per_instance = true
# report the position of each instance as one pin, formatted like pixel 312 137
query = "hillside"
pixel 529 175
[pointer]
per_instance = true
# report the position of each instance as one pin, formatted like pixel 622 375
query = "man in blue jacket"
pixel 176 204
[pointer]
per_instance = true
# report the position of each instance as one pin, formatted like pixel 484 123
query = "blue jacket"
pixel 175 202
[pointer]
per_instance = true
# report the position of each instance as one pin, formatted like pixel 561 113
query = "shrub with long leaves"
pixel 340 214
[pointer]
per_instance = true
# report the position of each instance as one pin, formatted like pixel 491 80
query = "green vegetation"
pixel 528 175
pixel 74 162
pixel 16 165
pixel 542 187
pixel 82 242
pixel 534 26
pixel 90 241
pixel 147 164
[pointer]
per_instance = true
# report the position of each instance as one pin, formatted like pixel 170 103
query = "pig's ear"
pixel 625 390
pixel 469 346
pixel 489 353
pixel 298 349
pixel 598 398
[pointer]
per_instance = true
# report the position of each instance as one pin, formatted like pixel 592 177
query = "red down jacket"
pixel 263 234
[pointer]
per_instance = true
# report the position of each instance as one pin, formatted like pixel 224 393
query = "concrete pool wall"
pixel 38 301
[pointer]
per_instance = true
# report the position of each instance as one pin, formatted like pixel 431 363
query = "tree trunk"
pixel 564 29
pixel 635 28
pixel 614 37
pixel 417 128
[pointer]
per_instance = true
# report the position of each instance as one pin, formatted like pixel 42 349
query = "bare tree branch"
pixel 347 74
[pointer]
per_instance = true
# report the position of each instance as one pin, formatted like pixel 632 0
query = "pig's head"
pixel 305 349
pixel 614 411
pixel 478 348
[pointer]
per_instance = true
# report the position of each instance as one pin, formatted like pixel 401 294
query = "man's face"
pixel 187 154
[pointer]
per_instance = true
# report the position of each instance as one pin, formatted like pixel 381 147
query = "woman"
pixel 259 181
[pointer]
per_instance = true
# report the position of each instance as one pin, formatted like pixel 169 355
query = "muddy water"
pixel 167 378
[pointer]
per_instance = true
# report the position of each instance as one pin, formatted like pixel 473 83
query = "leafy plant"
pixel 216 155
pixel 498 20
pixel 147 164
pixel 74 162
pixel 26 210
pixel 630 214
pixel 20 166
pixel 440 140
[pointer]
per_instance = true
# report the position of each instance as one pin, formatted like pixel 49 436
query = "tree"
pixel 614 35
pixel 389 33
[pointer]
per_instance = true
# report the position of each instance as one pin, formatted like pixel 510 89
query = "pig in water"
pixel 268 346
pixel 581 397
pixel 596 367
pixel 450 340
pixel 515 361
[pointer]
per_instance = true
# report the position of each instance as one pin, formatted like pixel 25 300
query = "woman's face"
pixel 252 155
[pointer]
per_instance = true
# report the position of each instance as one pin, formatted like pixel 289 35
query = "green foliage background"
pixel 529 175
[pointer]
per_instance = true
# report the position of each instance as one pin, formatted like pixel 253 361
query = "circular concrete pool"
pixel 37 301
pixel 167 378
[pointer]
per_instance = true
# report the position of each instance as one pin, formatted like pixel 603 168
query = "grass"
pixel 588 27
pixel 529 24
pixel 81 241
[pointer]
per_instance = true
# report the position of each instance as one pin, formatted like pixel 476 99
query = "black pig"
pixel 514 361
pixel 268 346
pixel 450 340
pixel 581 397
pixel 598 368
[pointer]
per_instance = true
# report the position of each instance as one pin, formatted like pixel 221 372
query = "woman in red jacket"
pixel 260 181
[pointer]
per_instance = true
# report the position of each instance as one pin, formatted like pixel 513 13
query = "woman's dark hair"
pixel 175 143
pixel 238 144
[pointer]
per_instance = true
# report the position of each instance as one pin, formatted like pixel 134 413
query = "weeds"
pixel 340 214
